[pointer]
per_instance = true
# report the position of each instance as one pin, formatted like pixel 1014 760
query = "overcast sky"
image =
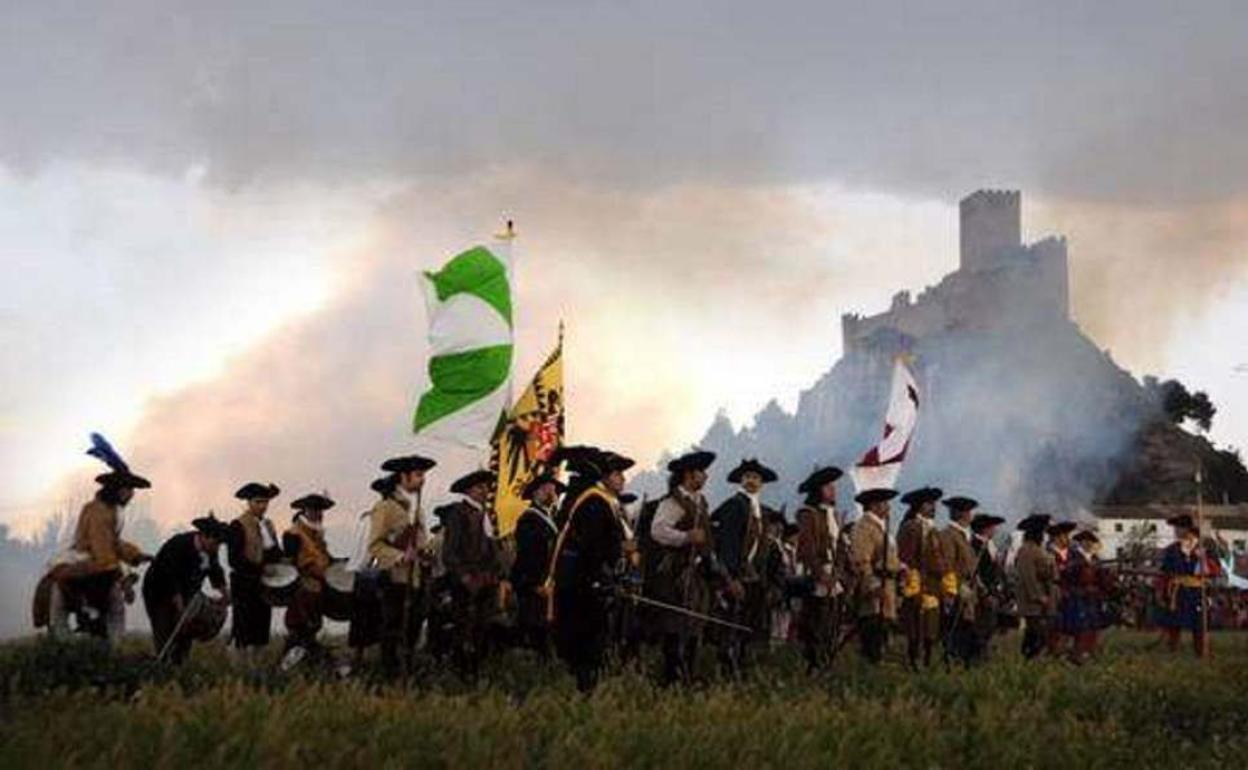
pixel 213 215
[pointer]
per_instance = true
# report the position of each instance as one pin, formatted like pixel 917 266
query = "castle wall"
pixel 1006 283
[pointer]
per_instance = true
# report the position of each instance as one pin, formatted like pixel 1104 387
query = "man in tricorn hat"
pixel 535 541
pixel 959 599
pixel 251 545
pixel 474 569
pixel 585 559
pixel 396 537
pixel 1059 546
pixel 919 555
pixel 91 582
pixel 304 544
pixel 989 583
pixel 1184 566
pixel 873 560
pixel 1082 582
pixel 174 580
pixel 740 537
pixel 687 563
pixel 1035 584
pixel 818 531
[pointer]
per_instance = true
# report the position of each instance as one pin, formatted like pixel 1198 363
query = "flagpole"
pixel 1204 562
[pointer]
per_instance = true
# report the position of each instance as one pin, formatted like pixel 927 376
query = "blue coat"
pixel 1180 605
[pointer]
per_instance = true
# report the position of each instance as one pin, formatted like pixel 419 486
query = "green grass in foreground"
pixel 1138 706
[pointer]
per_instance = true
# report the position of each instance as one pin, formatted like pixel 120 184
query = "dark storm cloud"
pixel 1139 101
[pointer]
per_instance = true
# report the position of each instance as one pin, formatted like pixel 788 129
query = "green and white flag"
pixel 470 347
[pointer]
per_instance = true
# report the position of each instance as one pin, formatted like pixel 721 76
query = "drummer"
pixel 252 543
pixel 175 577
pixel 304 544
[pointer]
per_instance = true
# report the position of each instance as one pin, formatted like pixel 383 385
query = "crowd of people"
pixel 588 573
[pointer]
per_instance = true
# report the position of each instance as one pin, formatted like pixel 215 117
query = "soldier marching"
pixel 581 578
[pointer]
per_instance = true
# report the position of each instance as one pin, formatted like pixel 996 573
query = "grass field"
pixel 1137 706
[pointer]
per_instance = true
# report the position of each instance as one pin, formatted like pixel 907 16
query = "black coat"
pixel 591 547
pixel 987 569
pixel 535 540
pixel 730 524
pixel 178 569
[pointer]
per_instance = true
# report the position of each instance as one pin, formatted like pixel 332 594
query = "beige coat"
pixel 957 554
pixel 394 532
pixel 1036 580
pixel 873 560
pixel 97 535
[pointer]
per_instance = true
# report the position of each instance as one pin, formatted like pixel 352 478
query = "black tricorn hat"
pixel 211 527
pixel 872 496
pixel 917 497
pixel 1061 528
pixel 983 521
pixel 613 461
pixel 1036 522
pixel 752 465
pixel 818 478
pixel 697 460
pixel 1086 534
pixel 313 502
pixel 120 479
pixel 254 490
pixel 407 464
pixel 464 483
pixel 581 459
pixel 530 489
pixel 1182 521
pixel 958 504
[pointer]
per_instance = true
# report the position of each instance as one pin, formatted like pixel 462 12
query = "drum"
pixel 207 619
pixel 339 587
pixel 279 583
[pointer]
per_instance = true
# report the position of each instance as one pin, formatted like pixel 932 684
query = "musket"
pixel 639 599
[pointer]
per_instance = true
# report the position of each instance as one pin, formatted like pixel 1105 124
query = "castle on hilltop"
pixel 1000 280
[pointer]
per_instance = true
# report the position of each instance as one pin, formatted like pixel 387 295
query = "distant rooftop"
pixel 1222 516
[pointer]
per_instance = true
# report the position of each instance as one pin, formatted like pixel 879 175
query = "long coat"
pixel 1036 581
pixel 1180 594
pixel 179 569
pixel 252 616
pixel 738 535
pixel 98 535
pixel 960 561
pixel 683 573
pixel 873 566
pixel 305 546
pixel 535 541
pixel 816 542
pixel 394 530
pixel 467 548
pixel 588 549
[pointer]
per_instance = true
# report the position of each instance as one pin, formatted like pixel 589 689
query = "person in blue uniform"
pixel 1184 569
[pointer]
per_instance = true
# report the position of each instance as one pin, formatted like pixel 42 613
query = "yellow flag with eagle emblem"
pixel 526 440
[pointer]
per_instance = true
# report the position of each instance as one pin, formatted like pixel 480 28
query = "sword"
pixel 683 611
pixel 191 608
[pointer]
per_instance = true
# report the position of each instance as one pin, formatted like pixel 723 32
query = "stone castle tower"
pixel 1000 281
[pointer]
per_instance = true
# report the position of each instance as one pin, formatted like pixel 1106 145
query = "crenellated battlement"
pixel 999 281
